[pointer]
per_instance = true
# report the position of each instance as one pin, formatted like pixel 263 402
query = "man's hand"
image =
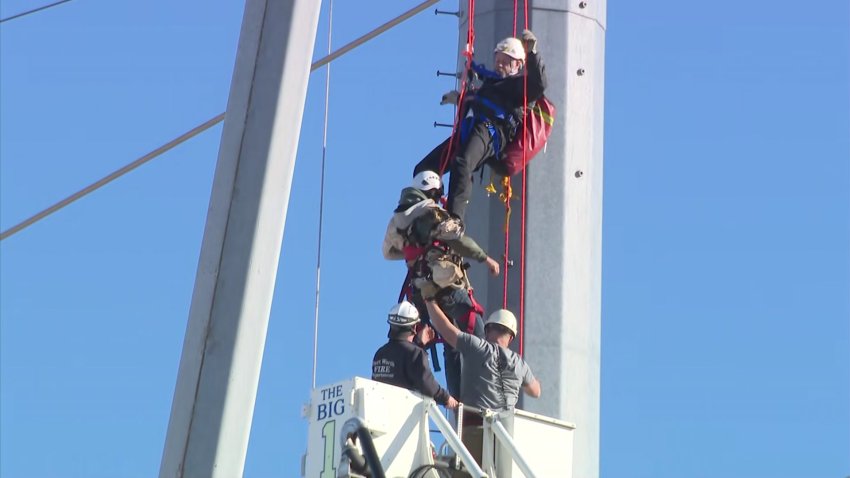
pixel 529 41
pixel 426 335
pixel 451 97
pixel 492 265
pixel 451 403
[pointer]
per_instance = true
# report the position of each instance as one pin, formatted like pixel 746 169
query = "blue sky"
pixel 726 270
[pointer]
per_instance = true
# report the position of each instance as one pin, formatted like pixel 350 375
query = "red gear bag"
pixel 532 136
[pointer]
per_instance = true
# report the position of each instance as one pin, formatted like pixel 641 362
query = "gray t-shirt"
pixel 482 385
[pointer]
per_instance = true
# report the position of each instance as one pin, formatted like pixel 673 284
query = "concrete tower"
pixel 563 258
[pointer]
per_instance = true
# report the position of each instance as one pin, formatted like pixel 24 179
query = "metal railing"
pixel 493 427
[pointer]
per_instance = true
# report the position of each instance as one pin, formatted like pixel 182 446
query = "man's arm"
pixel 530 384
pixel 467 247
pixel 424 381
pixel 537 81
pixel 442 323
pixel 535 68
pixel 532 389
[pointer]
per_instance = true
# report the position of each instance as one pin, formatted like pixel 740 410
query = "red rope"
pixel 523 230
pixel 524 196
pixel 405 287
pixel 508 207
pixel 448 150
pixel 526 13
pixel 468 52
pixel 506 185
pixel 516 7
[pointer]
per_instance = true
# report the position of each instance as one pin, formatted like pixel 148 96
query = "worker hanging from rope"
pixel 492 115
pixel 433 244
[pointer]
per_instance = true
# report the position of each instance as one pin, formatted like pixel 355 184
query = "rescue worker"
pixel 434 245
pixel 493 374
pixel 491 115
pixel 402 363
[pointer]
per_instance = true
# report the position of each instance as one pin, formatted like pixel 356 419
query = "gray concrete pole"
pixel 223 349
pixel 564 216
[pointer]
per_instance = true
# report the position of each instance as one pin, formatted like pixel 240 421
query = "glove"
pixel 529 41
pixel 450 98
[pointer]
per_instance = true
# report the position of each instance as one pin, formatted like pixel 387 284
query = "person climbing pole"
pixel 491 116
pixel 433 245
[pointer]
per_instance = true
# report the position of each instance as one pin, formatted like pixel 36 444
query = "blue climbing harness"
pixel 496 113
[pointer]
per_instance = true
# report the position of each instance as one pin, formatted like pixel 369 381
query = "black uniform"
pixel 404 364
pixel 479 146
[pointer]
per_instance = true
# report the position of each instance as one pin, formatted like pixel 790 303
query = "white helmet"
pixel 512 47
pixel 426 181
pixel 503 317
pixel 403 314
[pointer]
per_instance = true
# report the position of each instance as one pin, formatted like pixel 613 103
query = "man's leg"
pixel 473 440
pixel 451 357
pixel 419 303
pixel 472 154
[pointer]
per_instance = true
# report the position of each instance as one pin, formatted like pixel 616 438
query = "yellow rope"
pixel 505 196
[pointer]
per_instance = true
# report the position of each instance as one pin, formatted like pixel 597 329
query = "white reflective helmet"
pixel 403 314
pixel 512 47
pixel 503 317
pixel 426 181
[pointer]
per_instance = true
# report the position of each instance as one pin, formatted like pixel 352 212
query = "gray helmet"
pixel 403 314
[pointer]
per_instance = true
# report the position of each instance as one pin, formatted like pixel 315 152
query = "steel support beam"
pixel 223 349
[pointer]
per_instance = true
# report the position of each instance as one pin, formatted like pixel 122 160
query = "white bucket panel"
pixel 396 417
pixel 545 443
pixel 399 422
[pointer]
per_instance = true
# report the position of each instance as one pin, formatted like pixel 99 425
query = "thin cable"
pixel 34 10
pixel 381 29
pixel 113 176
pixel 322 193
pixel 193 132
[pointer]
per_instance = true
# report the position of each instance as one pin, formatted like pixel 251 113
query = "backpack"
pixel 532 135
pixel 438 269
